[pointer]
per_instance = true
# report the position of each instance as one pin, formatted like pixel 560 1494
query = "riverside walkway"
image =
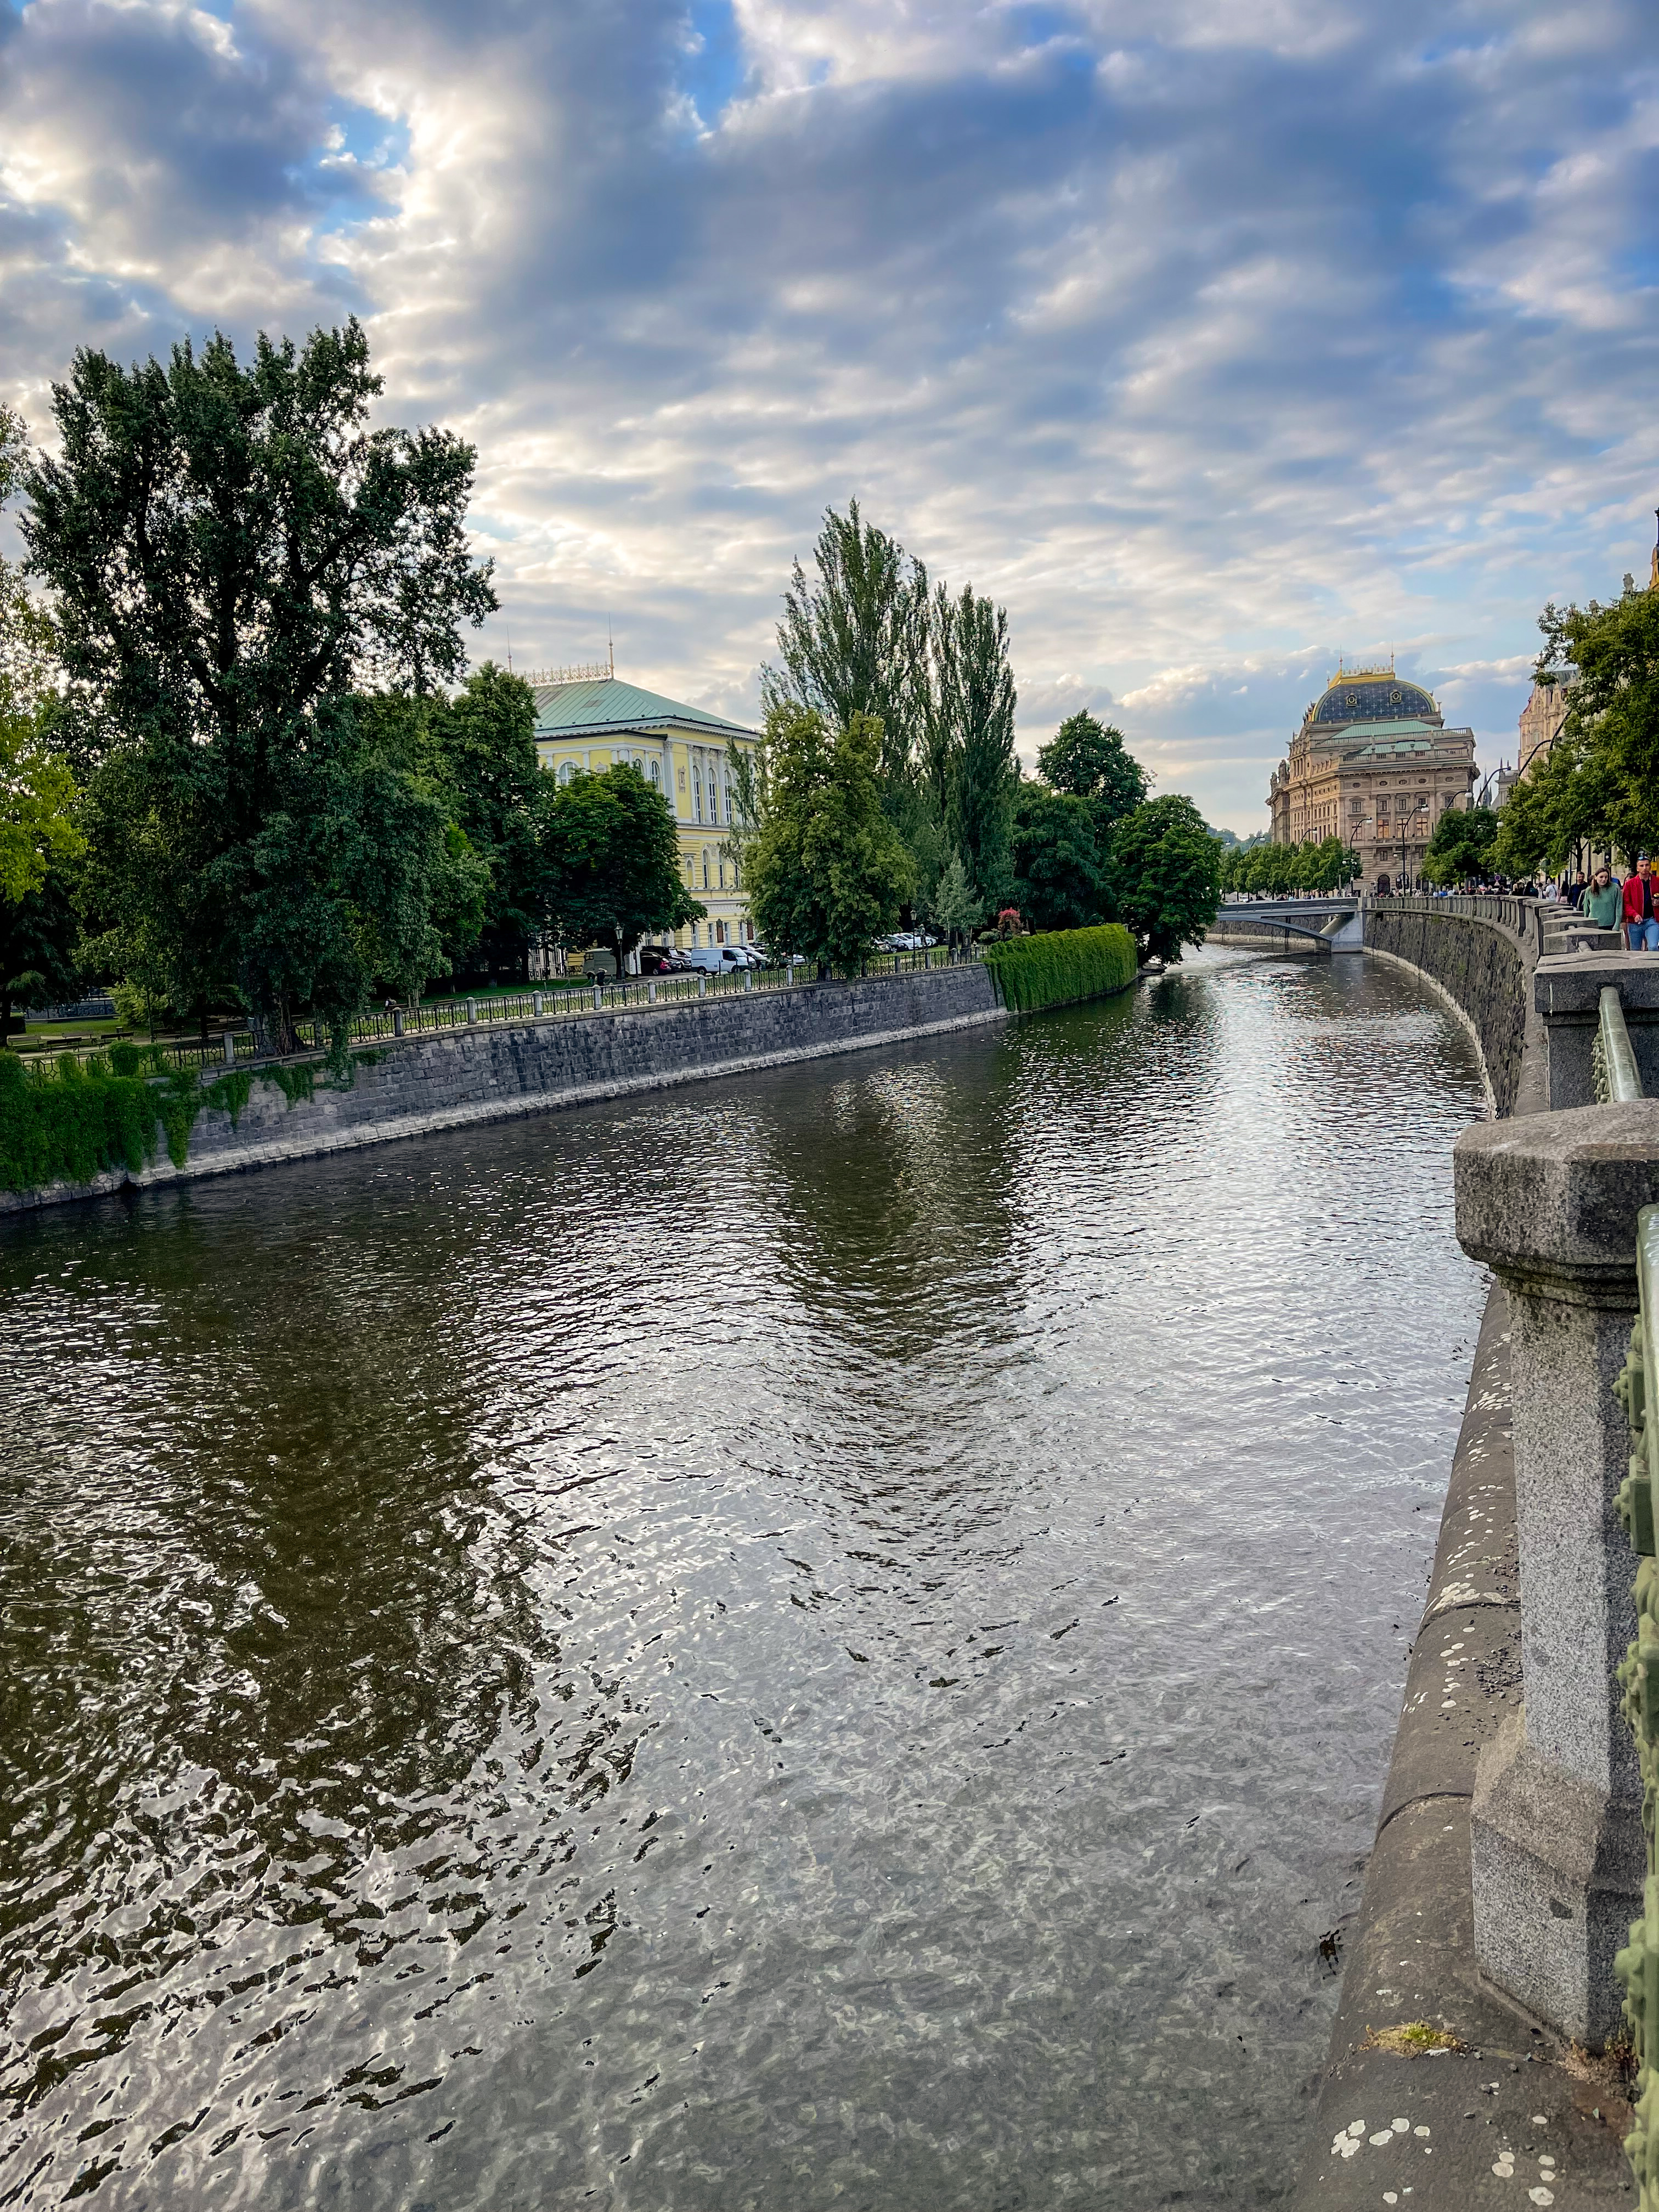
pixel 1482 2054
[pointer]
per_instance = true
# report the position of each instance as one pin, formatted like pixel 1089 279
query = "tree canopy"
pixel 234 554
pixel 1062 878
pixel 1168 870
pixel 37 791
pixel 1599 784
pixel 609 855
pixel 1462 845
pixel 1325 864
pixel 827 871
pixel 1087 759
pixel 864 633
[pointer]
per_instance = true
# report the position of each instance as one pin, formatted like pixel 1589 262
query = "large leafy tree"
pixel 1061 877
pixel 827 870
pixel 1598 786
pixel 1087 759
pixel 233 552
pixel 1462 845
pixel 1168 870
pixel 610 861
pixel 40 934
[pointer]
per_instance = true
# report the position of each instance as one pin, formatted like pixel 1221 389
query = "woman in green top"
pixel 1604 901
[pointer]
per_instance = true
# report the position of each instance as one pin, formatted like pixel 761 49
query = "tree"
pixel 827 870
pixel 610 854
pixel 976 686
pixel 1087 759
pixel 954 908
pixel 1169 875
pixel 37 791
pixel 1598 785
pixel 39 935
pixel 854 639
pixel 492 777
pixel 1060 880
pixel 1462 845
pixel 233 553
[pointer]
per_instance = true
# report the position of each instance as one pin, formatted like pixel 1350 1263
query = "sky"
pixel 1214 338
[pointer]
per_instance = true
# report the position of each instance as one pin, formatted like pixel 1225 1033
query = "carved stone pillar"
pixel 1549 1202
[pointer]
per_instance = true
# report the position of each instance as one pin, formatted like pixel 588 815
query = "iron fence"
pixel 570 999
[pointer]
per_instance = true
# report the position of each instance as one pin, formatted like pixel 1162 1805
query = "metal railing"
pixel 570 999
pixel 1612 1063
pixel 1637 1965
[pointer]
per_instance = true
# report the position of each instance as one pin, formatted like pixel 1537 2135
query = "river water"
pixel 827 1641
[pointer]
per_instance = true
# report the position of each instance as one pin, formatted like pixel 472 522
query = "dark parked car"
pixel 663 960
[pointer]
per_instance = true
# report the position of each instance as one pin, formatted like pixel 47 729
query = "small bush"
pixel 1059 966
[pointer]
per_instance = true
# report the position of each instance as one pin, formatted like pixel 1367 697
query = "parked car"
pixel 663 960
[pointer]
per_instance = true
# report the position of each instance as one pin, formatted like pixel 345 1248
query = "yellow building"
pixel 587 719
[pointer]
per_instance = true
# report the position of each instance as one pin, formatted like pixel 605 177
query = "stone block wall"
pixel 496 1071
pixel 1483 969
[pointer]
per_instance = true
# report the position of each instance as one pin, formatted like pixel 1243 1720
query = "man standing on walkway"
pixel 1640 924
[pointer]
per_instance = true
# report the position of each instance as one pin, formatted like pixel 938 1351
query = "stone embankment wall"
pixel 1484 972
pixel 499 1071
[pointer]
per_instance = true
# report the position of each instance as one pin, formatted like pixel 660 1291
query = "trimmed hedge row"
pixel 1059 966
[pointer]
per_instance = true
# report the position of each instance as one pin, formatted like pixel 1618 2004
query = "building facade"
pixel 1374 764
pixel 588 720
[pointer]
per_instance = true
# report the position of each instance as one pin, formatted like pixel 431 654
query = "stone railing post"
pixel 1549 1202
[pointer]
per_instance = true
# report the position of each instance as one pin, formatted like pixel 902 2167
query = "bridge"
pixel 1301 925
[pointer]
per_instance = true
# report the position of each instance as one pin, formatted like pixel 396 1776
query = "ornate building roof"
pixel 1370 694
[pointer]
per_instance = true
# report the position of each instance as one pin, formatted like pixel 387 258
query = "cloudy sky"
pixel 1215 337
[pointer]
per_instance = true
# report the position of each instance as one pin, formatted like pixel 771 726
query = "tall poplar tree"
pixel 977 701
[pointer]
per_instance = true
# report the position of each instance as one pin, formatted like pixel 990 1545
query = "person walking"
pixel 1641 923
pixel 1604 901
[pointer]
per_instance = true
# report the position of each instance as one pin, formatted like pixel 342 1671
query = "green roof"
pixel 608 707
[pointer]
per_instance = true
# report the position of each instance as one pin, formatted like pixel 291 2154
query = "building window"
pixel 656 774
pixel 568 770
pixel 719 933
pixel 705 869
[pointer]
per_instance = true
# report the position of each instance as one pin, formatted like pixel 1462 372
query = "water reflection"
pixel 828 1638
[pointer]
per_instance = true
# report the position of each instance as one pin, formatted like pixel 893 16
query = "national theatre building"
pixel 1374 764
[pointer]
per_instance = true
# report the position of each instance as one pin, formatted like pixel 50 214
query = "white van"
pixel 720 959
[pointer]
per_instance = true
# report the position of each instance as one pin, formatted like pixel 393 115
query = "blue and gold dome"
pixel 1370 695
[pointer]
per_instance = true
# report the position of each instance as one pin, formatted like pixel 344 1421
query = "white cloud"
pixel 1213 340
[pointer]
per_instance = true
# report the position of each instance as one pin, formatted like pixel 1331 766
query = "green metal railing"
pixel 570 999
pixel 1612 1063
pixel 1637 1965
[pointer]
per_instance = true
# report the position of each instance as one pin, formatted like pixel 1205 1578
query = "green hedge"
pixel 1058 966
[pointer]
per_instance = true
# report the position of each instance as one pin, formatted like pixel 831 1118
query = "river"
pixel 830 1640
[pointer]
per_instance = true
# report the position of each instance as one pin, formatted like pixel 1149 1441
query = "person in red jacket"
pixel 1641 922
